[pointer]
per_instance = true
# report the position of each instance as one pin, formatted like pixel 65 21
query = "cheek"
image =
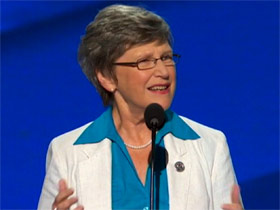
pixel 132 80
pixel 141 78
pixel 172 75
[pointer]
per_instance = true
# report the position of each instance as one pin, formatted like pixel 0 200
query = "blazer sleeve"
pixel 223 176
pixel 55 170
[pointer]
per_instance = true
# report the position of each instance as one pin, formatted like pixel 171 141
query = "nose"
pixel 161 70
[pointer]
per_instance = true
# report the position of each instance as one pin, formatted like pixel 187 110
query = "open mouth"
pixel 159 87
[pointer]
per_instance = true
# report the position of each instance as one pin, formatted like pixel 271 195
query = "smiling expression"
pixel 135 88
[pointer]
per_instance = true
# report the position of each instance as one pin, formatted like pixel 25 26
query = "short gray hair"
pixel 115 29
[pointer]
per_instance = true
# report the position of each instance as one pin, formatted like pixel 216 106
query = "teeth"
pixel 158 88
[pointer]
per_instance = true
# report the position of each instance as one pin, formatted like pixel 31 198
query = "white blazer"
pixel 205 183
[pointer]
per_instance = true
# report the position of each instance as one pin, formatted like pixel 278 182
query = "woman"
pixel 127 54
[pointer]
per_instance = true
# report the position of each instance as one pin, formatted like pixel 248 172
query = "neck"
pixel 130 124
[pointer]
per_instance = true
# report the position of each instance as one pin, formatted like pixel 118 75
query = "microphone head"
pixel 154 116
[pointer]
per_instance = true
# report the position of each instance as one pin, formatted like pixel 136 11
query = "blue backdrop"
pixel 228 78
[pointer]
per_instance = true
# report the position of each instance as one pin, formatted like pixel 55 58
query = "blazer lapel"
pixel 95 176
pixel 178 172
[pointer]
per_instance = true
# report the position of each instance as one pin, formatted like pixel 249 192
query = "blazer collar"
pixel 104 127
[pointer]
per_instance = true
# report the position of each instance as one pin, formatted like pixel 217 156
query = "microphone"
pixel 154 117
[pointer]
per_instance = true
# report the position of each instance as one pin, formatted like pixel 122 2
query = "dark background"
pixel 228 78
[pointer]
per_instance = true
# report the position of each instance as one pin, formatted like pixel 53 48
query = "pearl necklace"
pixel 138 147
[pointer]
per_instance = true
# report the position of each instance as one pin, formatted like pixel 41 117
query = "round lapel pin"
pixel 179 166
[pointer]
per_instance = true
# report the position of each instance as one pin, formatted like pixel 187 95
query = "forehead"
pixel 149 48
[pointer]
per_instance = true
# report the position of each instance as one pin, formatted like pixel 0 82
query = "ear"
pixel 107 83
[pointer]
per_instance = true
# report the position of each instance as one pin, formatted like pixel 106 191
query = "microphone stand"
pixel 154 118
pixel 153 152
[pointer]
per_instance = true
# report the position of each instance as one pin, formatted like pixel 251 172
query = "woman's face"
pixel 135 88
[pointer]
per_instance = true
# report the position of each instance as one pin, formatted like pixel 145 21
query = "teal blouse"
pixel 128 192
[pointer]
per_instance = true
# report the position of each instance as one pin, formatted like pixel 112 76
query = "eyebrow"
pixel 150 54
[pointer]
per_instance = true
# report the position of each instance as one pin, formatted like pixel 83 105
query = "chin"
pixel 164 104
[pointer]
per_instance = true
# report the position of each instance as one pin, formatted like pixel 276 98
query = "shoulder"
pixel 203 130
pixel 211 140
pixel 67 139
pixel 212 144
pixel 61 149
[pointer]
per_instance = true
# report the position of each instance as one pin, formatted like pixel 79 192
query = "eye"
pixel 143 61
pixel 167 58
